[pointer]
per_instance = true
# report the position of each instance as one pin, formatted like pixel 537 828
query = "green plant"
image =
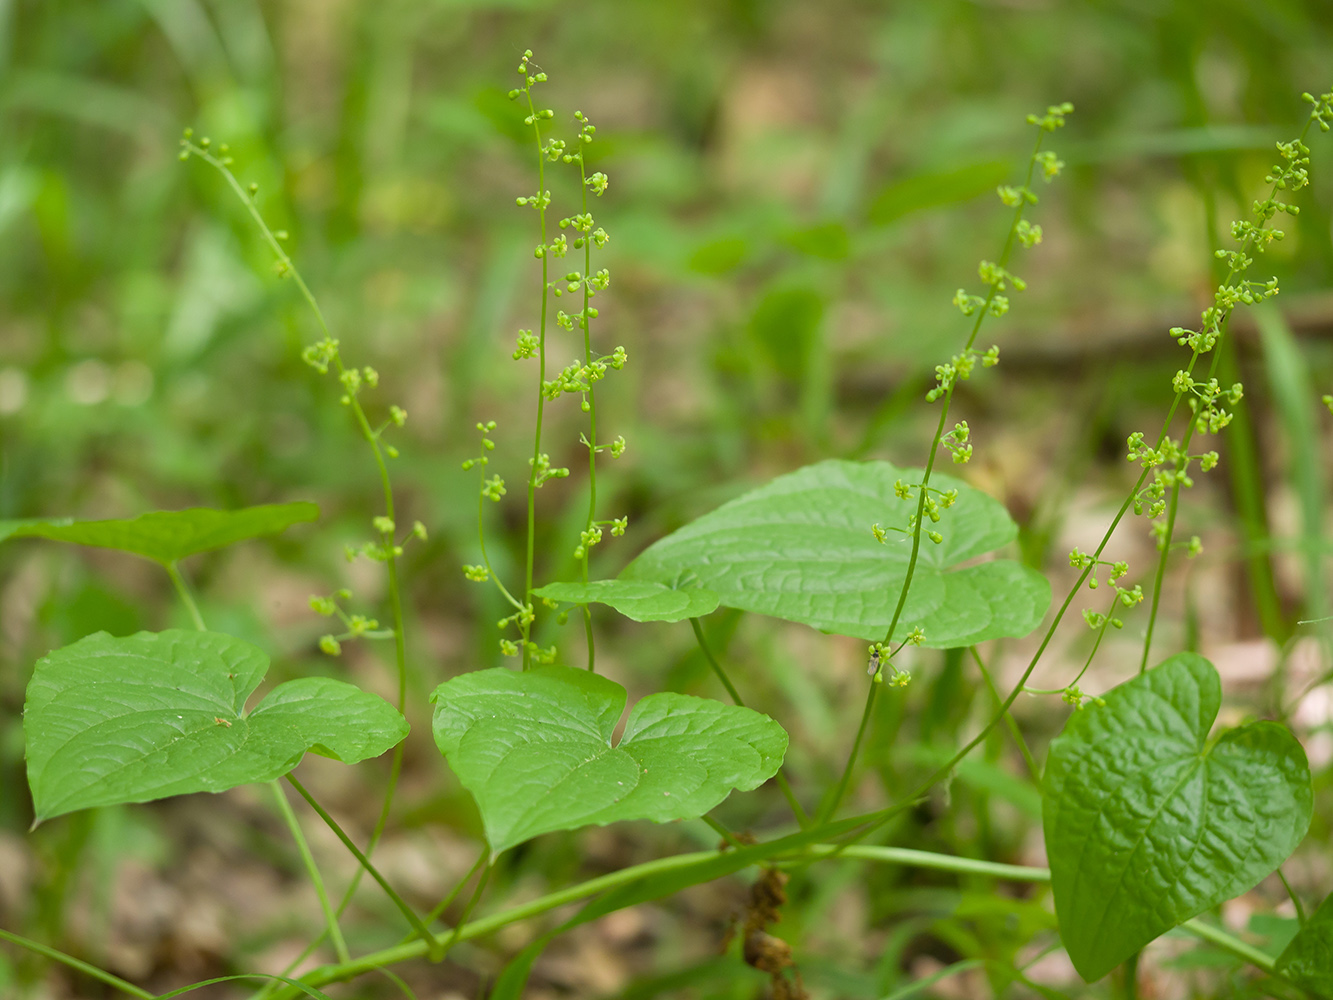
pixel 1148 822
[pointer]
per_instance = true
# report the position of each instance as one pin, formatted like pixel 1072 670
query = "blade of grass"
pixel 1295 398
pixel 1247 493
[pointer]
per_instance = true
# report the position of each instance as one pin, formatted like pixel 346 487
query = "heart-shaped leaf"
pixel 801 548
pixel 1308 958
pixel 641 600
pixel 1149 823
pixel 534 749
pixel 167 536
pixel 151 715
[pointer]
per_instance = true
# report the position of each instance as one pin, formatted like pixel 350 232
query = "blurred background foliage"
pixel 797 189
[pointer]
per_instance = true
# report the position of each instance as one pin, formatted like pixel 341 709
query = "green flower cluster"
pixel 578 231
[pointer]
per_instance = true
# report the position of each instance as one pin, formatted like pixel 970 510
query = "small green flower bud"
pixel 322 605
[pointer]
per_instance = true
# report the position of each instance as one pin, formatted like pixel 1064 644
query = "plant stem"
pixel 88 970
pixel 1220 938
pixel 586 320
pixel 1131 970
pixel 712 662
pixel 184 593
pixel 488 925
pixel 722 831
pixel 1033 768
pixel 1295 899
pixel 481 541
pixel 467 912
pixel 909 858
pixel 332 824
pixel 541 375
pixel 295 984
pixel 879 819
pixel 801 817
pixel 891 855
pixel 1182 463
pixel 397 980
pixel 830 805
pixel 335 932
pixel 438 910
pixel 372 438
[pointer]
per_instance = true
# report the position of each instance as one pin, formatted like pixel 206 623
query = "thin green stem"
pixel 397 980
pixel 1087 662
pixel 183 592
pixel 1131 971
pixel 801 817
pixel 815 852
pixel 475 898
pixel 438 910
pixel 395 601
pixel 722 831
pixel 372 438
pixel 489 924
pixel 308 859
pixel 1160 575
pixel 541 376
pixel 882 817
pixel 712 662
pixel 586 321
pixel 909 858
pixel 381 822
pixel 918 986
pixel 589 641
pixel 1033 768
pixel 422 931
pixel 1182 463
pixel 1220 938
pixel 88 970
pixel 270 978
pixel 481 540
pixel 831 804
pixel 1096 643
pixel 1295 899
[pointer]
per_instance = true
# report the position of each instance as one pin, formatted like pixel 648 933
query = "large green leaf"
pixel 1148 822
pixel 641 600
pixel 1308 958
pixel 167 536
pixel 801 548
pixel 139 718
pixel 534 749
